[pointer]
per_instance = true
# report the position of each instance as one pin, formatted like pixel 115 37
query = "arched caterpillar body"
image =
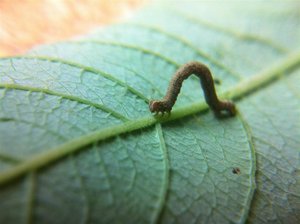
pixel 207 83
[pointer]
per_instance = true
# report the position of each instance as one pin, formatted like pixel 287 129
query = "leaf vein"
pixel 100 161
pixel 129 46
pixel 85 68
pixel 9 158
pixel 86 206
pixel 233 33
pixel 65 96
pixel 188 44
pixel 238 91
pixel 30 201
pixel 166 181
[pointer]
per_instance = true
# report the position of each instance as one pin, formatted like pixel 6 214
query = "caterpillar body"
pixel 207 83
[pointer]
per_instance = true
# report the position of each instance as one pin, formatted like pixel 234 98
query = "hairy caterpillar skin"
pixel 207 83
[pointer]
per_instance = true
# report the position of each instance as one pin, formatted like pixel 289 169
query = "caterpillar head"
pixel 156 106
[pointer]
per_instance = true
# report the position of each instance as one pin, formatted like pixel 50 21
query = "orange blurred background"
pixel 25 23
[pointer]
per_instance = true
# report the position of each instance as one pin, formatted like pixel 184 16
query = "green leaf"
pixel 78 143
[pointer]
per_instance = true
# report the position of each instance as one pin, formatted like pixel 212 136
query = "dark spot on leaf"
pixel 236 170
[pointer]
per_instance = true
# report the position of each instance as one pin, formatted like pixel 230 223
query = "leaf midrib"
pixel 240 90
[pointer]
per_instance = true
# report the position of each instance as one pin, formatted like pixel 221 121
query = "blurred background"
pixel 26 23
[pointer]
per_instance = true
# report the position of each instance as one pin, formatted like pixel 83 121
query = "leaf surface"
pixel 78 143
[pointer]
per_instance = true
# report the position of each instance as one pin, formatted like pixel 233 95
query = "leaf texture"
pixel 79 145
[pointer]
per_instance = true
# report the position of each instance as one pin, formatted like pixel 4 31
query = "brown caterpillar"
pixel 207 83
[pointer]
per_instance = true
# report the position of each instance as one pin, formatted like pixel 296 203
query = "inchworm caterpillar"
pixel 207 83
